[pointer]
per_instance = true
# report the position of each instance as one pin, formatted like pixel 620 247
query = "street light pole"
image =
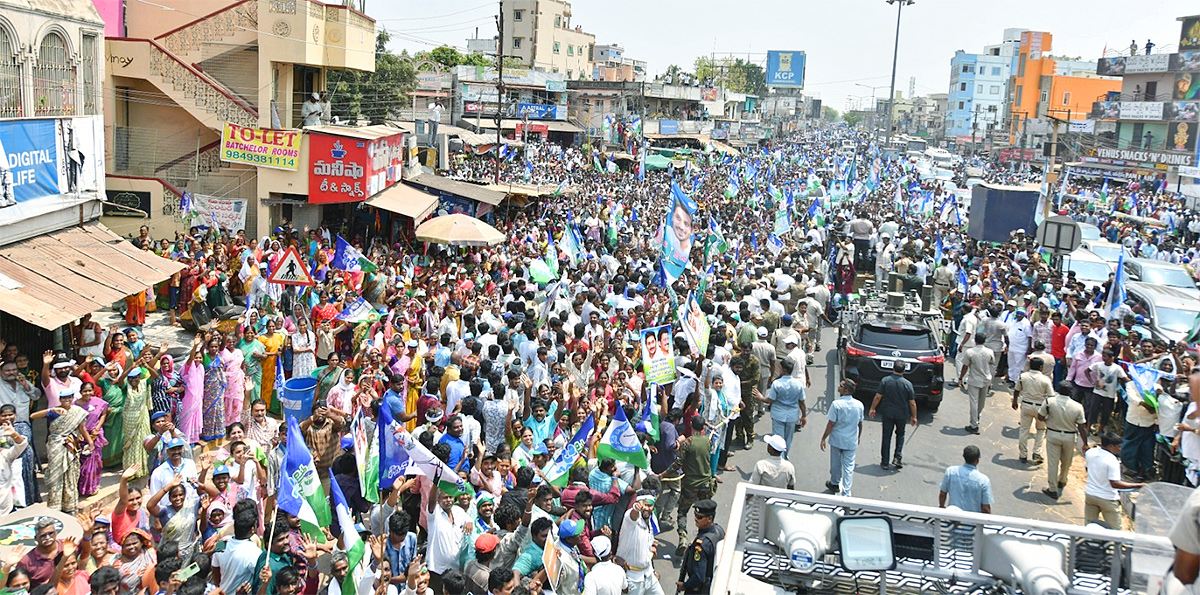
pixel 895 52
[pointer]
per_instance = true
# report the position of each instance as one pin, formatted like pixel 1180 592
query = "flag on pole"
pixel 392 462
pixel 621 443
pixel 650 422
pixel 300 493
pixel 558 470
pixel 351 543
pixel 561 186
pixel 551 253
pixel 1116 293
pixel 1145 380
pixel 420 459
pixel 349 258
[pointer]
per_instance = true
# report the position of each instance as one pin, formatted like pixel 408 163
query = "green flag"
pixel 621 443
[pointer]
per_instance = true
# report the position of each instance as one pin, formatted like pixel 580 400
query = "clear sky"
pixel 847 41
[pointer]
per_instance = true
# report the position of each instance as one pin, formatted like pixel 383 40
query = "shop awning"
pixel 551 125
pixel 56 278
pixel 403 199
pixel 464 189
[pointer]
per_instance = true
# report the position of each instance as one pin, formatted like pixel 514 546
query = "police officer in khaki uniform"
pixel 1064 421
pixel 696 566
pixel 1032 389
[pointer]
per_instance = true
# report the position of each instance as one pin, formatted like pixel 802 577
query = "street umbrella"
pixel 459 230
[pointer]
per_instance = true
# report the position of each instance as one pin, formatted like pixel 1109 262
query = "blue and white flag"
pixel 348 258
pixel 557 471
pixel 774 244
pixel 359 310
pixel 300 493
pixel 1116 293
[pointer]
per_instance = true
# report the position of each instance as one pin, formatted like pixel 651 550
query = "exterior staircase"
pixel 202 96
pixel 230 27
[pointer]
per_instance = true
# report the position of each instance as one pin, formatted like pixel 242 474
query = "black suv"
pixel 874 336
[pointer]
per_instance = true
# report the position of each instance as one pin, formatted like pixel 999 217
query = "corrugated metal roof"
pixel 74 271
pixel 457 188
pixel 360 132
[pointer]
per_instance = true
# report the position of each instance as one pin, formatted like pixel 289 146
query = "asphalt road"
pixel 933 445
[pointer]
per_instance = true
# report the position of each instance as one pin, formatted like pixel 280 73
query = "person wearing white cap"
pixel 635 546
pixel 774 471
pixel 310 110
pixel 604 577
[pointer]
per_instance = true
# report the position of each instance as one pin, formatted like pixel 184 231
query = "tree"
pixel 448 57
pixel 828 113
pixel 373 95
pixel 853 118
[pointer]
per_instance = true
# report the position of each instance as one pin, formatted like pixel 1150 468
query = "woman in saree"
pixel 272 341
pixel 235 379
pixel 137 561
pixel 253 354
pixel 213 401
pixel 135 309
pixel 328 376
pixel 341 396
pixel 114 395
pixel 66 440
pixel 135 421
pixel 97 413
pixel 166 387
pixel 415 375
pixel 190 418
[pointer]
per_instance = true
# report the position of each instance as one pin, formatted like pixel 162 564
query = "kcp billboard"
pixel 785 69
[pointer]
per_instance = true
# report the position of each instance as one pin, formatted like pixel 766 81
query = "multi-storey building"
pixel 1044 90
pixel 539 33
pixel 977 99
pixel 182 72
pixel 58 263
pixel 1156 111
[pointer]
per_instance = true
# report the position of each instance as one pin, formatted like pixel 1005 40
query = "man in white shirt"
pixel 1020 342
pixel 605 577
pixel 446 525
pixel 1101 498
pixel 1106 376
pixel 774 471
pixel 635 549
pixel 233 564
pixel 175 464
pixel 966 337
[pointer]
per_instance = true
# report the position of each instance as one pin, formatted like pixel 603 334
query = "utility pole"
pixel 499 91
pixel 895 52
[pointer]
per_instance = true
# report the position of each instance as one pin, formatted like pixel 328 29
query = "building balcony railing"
pixel 1187 111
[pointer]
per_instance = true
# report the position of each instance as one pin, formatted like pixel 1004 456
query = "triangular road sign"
pixel 291 270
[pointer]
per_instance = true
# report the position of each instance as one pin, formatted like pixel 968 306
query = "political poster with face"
pixel 677 233
pixel 695 325
pixel 658 356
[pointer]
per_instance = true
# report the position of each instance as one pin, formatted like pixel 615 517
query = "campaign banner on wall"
pixel 539 111
pixel 277 149
pixel 228 213
pixel 48 157
pixel 658 355
pixel 1187 85
pixel 668 127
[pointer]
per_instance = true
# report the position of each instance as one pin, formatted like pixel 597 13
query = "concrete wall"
pixel 161 226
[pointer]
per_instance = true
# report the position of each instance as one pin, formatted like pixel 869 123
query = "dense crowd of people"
pixel 522 402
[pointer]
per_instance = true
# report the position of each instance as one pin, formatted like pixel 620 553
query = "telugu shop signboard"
pixel 347 169
pixel 276 149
